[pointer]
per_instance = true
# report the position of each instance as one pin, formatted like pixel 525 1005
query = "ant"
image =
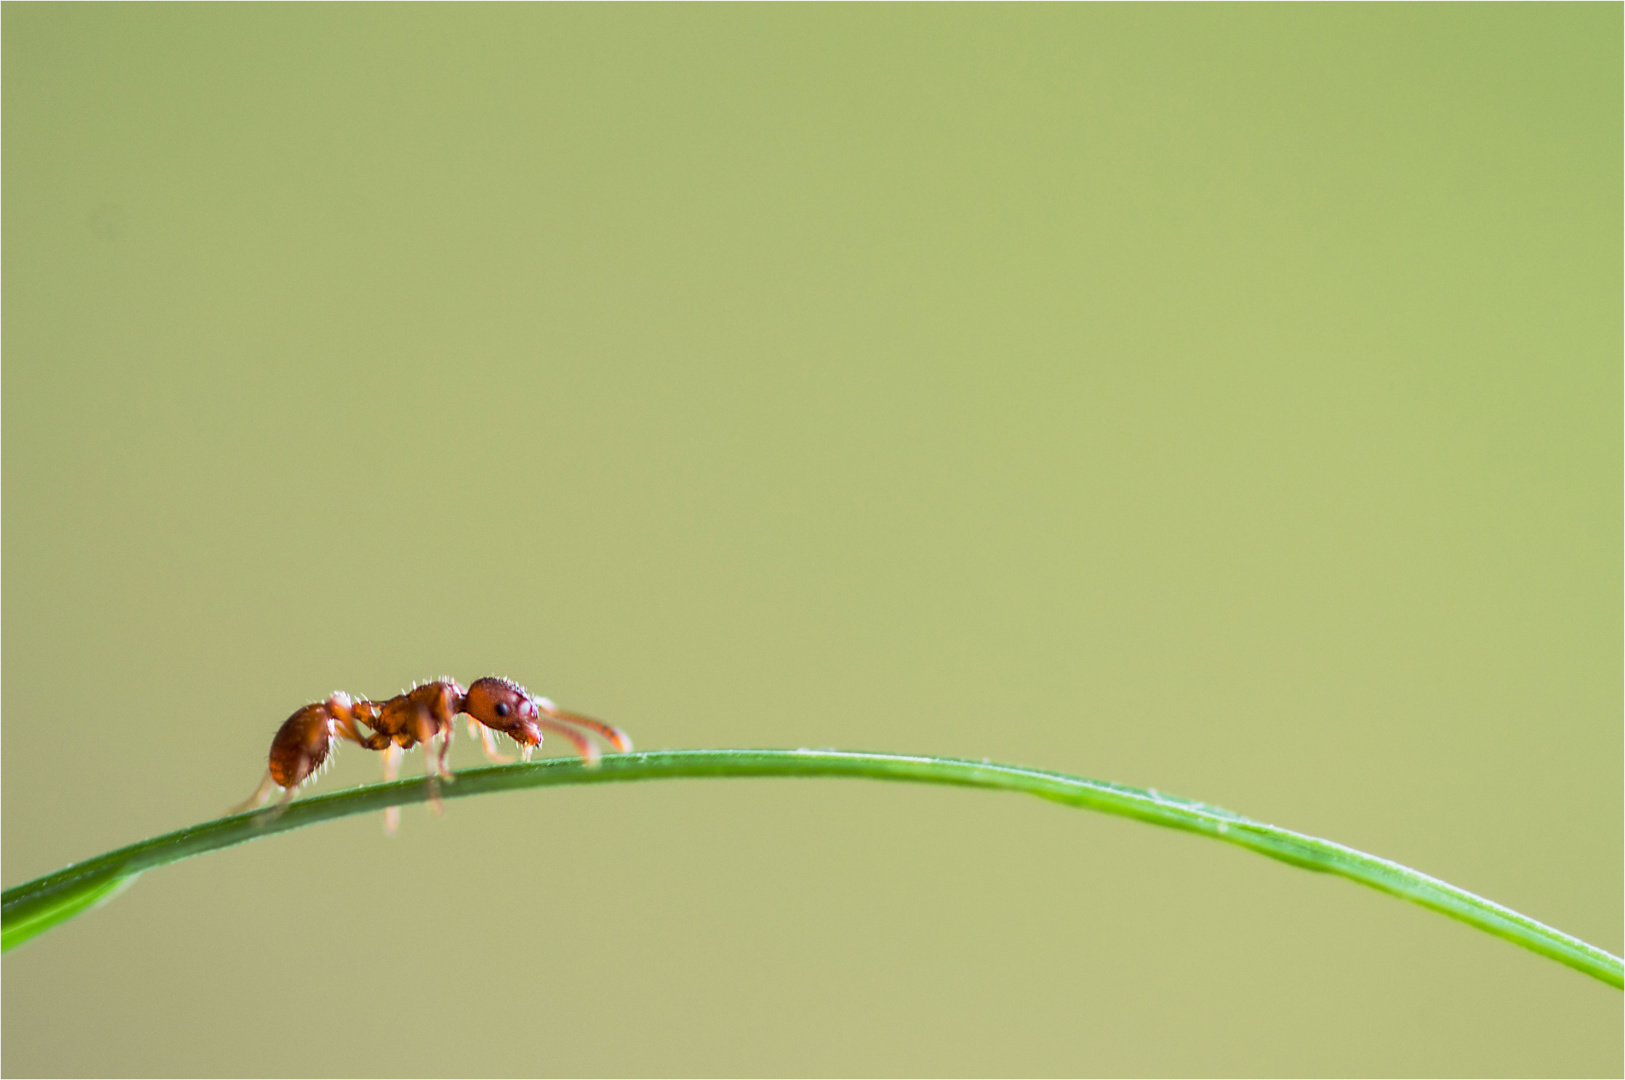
pixel 304 743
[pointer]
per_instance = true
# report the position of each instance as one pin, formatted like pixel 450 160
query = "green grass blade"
pixel 38 913
pixel 37 905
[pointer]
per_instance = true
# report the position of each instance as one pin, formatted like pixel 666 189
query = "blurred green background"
pixel 1226 400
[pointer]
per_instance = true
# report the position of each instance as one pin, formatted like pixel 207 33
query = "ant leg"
pixel 261 794
pixel 425 735
pixel 447 730
pixel 479 731
pixel 302 772
pixel 584 747
pixel 392 771
pixel 345 727
pixel 438 717
pixel 611 734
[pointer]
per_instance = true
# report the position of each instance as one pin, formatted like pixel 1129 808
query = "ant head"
pixel 504 706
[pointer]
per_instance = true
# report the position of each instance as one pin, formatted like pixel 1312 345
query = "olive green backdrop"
pixel 1226 400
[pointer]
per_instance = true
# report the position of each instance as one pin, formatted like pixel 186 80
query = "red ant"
pixel 304 743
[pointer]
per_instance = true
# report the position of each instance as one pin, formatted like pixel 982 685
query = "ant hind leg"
pixel 261 795
pixel 302 773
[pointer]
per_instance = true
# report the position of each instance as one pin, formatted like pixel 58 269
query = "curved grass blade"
pixel 36 917
pixel 30 908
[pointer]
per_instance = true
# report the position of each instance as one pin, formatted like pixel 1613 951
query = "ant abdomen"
pixel 302 742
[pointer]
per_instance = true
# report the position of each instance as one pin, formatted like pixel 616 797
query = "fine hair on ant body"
pixel 305 742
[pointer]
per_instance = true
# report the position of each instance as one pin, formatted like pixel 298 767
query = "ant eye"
pixel 502 708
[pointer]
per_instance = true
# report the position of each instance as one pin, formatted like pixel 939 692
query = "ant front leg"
pixel 488 741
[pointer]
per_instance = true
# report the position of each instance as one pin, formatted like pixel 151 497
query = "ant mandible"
pixel 304 743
